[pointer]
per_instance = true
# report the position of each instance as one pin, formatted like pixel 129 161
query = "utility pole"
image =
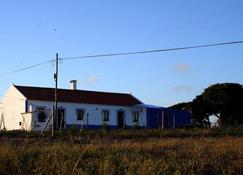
pixel 56 80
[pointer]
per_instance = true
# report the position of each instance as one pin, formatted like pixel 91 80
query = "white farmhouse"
pixel 29 108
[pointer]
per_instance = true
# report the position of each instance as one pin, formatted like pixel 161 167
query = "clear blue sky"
pixel 33 31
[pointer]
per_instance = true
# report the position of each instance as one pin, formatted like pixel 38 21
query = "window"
pixel 41 113
pixel 80 114
pixel 105 115
pixel 135 116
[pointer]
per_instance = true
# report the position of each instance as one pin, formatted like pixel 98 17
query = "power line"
pixel 124 53
pixel 154 51
pixel 26 68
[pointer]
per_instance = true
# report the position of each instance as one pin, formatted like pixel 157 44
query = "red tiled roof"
pixel 78 96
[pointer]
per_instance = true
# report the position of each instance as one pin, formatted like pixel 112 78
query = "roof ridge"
pixel 95 91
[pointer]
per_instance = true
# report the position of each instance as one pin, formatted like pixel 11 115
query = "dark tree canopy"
pixel 222 100
pixel 199 111
pixel 182 106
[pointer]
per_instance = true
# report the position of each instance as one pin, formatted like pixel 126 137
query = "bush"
pixel 105 127
pixel 135 126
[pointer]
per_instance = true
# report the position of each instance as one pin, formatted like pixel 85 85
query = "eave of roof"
pixel 78 96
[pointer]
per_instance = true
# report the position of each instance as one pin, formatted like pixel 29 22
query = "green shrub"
pixel 105 127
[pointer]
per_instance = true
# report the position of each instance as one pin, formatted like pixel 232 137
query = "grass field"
pixel 182 151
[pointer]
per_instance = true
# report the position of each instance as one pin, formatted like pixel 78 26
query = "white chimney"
pixel 73 84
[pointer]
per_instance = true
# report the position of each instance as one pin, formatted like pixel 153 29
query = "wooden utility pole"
pixel 56 81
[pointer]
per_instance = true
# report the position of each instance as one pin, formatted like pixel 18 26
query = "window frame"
pixel 41 109
pixel 135 116
pixel 83 112
pixel 105 118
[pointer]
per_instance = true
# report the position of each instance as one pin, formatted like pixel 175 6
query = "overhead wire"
pixel 124 53
pixel 153 51
pixel 26 68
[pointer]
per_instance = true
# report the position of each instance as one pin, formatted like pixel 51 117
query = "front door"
pixel 120 119
pixel 166 120
pixel 159 120
pixel 60 119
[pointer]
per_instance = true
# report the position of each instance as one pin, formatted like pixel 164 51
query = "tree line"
pixel 224 101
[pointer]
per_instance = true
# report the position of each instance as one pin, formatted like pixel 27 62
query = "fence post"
pixel 173 121
pixel 162 124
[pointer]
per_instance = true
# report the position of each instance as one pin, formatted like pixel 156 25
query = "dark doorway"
pixel 120 119
pixel 159 120
pixel 60 119
pixel 166 120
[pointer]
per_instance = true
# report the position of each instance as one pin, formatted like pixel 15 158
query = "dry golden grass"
pixel 200 155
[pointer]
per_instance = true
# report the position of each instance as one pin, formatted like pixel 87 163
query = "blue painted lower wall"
pixel 99 126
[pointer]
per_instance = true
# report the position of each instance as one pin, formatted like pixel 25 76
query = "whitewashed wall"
pixel 13 104
pixel 27 121
pixel 1 113
pixel 1 108
pixel 31 123
pixel 94 113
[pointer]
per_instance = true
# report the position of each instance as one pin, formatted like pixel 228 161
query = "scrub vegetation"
pixel 180 151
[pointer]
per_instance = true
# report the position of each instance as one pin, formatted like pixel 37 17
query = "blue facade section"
pixel 172 118
pixel 182 118
pixel 154 117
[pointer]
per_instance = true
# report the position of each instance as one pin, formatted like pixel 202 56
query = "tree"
pixel 182 106
pixel 225 101
pixel 199 112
